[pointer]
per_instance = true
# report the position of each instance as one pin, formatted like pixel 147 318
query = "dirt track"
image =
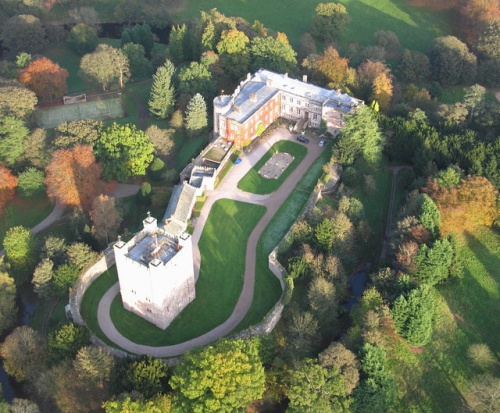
pixel 227 190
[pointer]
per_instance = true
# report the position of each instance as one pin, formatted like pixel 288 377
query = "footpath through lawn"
pixel 223 247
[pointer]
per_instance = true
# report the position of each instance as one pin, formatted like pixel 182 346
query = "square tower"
pixel 156 273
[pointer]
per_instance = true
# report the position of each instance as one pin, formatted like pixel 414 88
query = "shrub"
pixel 144 194
pixel 351 177
pixel 156 169
pixel 31 183
pixel 177 119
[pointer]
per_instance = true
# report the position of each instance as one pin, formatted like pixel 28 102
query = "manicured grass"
pixel 222 246
pixel 255 183
pixel 415 27
pixel 436 380
pixel 25 212
pixel 267 287
pixel 376 207
pixel 91 299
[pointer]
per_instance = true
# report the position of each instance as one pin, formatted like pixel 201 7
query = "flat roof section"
pixel 153 247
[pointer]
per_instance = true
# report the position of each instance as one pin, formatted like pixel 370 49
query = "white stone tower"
pixel 156 273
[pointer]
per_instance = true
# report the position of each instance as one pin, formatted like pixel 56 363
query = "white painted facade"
pixel 156 273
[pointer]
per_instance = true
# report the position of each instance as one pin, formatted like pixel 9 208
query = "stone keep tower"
pixel 156 273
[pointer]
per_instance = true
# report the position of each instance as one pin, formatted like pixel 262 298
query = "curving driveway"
pixel 226 190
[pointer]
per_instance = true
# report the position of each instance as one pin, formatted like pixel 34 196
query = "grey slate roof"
pixel 181 203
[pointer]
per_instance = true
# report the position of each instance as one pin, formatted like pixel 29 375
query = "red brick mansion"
pixel 265 96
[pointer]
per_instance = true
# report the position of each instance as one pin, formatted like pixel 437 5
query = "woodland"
pixel 419 337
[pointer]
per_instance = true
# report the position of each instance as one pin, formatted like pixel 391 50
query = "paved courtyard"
pixel 276 165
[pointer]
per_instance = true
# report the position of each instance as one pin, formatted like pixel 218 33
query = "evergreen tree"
pixel 433 263
pixel 162 97
pixel 176 43
pixel 196 115
pixel 140 67
pixel 429 216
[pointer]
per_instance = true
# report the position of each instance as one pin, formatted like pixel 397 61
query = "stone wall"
pixel 86 278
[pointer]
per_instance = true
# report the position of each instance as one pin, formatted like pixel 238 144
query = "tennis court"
pixel 95 109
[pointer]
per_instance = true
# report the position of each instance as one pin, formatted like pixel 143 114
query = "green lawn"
pixel 25 212
pixel 255 183
pixel 267 287
pixel 415 27
pixel 91 299
pixel 436 379
pixel 222 246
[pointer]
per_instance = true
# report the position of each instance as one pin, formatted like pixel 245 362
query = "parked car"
pixel 322 143
pixel 302 139
pixel 237 161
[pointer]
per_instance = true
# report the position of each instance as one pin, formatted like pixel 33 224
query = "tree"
pixel 451 62
pixel 42 278
pixel 303 335
pixel 275 54
pixel 19 245
pixel 336 356
pixel 35 148
pixel 220 378
pixel 377 392
pixel 485 392
pixel 196 115
pixel 80 255
pixel 429 215
pixel 13 133
pixel 329 21
pixel 313 388
pixel 24 406
pixel 176 43
pixel 488 43
pixel 481 355
pixel 382 91
pixel 77 132
pixel 449 177
pixel 197 79
pixel 31 183
pixel 82 39
pixel 65 342
pixel 24 353
pixel 307 46
pixel 433 263
pixel 139 66
pixel 374 81
pixel 23 33
pixel 333 68
pixel 124 151
pixel 324 235
pixel 360 139
pixel 64 278
pixel 145 375
pixel 386 39
pixel 413 315
pixel 8 183
pixel 474 99
pixel 162 140
pixel 94 364
pixel 8 307
pixel 160 404
pixel 323 302
pixel 46 78
pixel 233 53
pixel 106 66
pixel 140 34
pixel 17 101
pixel 105 219
pixel 23 59
pixel 468 205
pixel 73 177
pixel 162 96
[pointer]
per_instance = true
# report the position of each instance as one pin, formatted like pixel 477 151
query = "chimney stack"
pixel 304 78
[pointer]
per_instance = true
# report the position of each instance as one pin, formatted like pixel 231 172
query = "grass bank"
pixel 267 288
pixel 438 379
pixel 255 183
pixel 415 27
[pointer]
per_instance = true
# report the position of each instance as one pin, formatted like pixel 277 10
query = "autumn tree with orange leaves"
pixel 46 78
pixel 73 177
pixel 466 206
pixel 8 183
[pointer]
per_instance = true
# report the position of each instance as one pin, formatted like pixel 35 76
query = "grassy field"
pixel 218 288
pixel 255 183
pixel 438 379
pixel 267 287
pixel 415 27
pixel 25 212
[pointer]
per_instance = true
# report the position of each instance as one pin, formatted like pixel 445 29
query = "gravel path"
pixel 226 190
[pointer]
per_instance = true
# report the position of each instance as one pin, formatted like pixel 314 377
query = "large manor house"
pixel 265 96
pixel 155 268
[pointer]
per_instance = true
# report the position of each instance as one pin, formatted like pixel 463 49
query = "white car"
pixel 322 143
